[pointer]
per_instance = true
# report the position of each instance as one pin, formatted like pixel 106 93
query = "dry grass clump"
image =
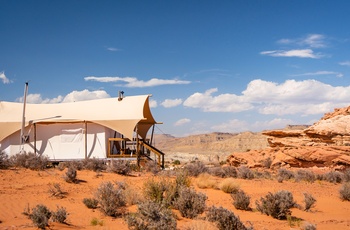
pixel 190 203
pixel 151 215
pixel 309 201
pixel 229 185
pixel 111 199
pixel 277 205
pixel 241 200
pixel 344 192
pixel 30 161
pixel 159 190
pixel 60 215
pixel 206 180
pixel 225 219
pixel 195 168
pixel 56 190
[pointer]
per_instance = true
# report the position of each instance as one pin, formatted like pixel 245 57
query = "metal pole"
pixel 85 140
pixel 35 138
pixel 23 115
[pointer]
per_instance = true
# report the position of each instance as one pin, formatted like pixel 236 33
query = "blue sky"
pixel 211 66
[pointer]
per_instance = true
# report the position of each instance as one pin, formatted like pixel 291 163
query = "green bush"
pixel 345 192
pixel 241 200
pixel 277 205
pixel 111 199
pixel 151 215
pixel 224 219
pixel 190 203
pixel 91 203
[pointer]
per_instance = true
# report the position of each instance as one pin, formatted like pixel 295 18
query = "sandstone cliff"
pixel 326 143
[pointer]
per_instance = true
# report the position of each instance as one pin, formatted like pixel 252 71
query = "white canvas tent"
pixel 74 130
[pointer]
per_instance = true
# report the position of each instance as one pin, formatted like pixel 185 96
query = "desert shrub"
pixel 62 166
pixel 176 162
pixel 333 177
pixel 40 216
pixel 266 163
pixel 156 190
pixel 182 179
pixel 4 160
pixel 244 172
pixel 122 167
pixel 206 180
pixel 305 175
pixel 71 175
pixel 276 205
pixel 241 200
pixel 190 203
pixel 195 168
pixel 56 190
pixel 229 185
pixel 151 215
pixel 94 164
pixel 78 165
pixel 346 175
pixel 30 161
pixel 217 171
pixel 284 174
pixel 344 192
pixel 224 219
pixel 111 199
pixel 309 201
pixel 152 167
pixel 230 171
pixel 60 215
pixel 308 226
pixel 91 203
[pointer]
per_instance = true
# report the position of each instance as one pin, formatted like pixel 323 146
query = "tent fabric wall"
pixel 103 116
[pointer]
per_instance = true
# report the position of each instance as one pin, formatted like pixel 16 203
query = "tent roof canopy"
pixel 130 114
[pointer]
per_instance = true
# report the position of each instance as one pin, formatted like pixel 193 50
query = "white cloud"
pixel 277 123
pixel 71 97
pixel 3 78
pixel 133 82
pixel 232 126
pixel 168 103
pixel 300 53
pixel 346 63
pixel 290 97
pixel 310 41
pixel 113 49
pixel 182 122
pixel 153 103
pixel 220 103
pixel 337 74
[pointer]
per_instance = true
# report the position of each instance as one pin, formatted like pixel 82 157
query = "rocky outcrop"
pixel 326 143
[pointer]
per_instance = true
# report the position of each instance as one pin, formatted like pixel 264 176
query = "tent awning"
pixel 120 115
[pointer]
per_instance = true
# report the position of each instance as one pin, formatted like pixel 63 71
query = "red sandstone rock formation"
pixel 326 143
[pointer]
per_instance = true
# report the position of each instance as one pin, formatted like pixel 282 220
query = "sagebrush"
pixel 190 203
pixel 111 199
pixel 225 219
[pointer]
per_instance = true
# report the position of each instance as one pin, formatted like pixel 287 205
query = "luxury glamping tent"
pixel 102 128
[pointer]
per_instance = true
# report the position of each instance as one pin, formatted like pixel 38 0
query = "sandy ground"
pixel 21 187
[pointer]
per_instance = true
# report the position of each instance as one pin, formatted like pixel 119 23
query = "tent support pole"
pixel 35 138
pixel 138 148
pixel 151 141
pixel 85 123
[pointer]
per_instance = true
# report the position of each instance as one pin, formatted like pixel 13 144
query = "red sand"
pixel 20 188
